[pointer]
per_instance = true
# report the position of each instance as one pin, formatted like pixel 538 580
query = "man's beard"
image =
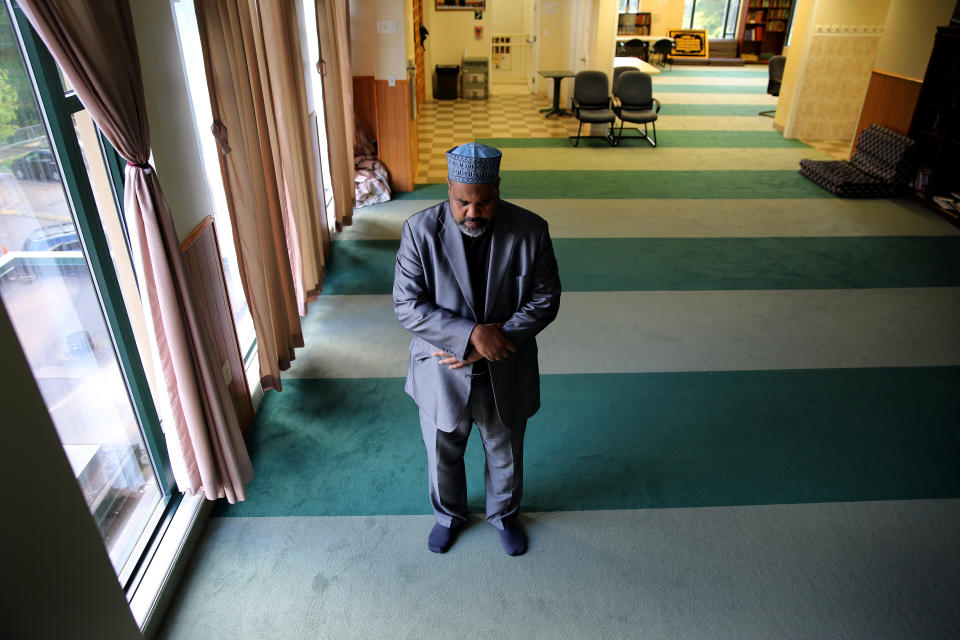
pixel 475 232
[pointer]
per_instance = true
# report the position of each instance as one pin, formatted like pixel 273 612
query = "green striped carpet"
pixel 750 423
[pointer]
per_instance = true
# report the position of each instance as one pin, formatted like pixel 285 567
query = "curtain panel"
pixel 292 147
pixel 94 44
pixel 255 80
pixel 334 36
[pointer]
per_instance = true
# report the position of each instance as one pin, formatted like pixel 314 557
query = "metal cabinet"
pixel 475 79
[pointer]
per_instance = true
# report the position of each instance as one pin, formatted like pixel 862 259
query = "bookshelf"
pixel 936 123
pixel 633 24
pixel 763 28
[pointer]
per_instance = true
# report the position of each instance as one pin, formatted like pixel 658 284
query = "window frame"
pixel 57 108
pixel 726 18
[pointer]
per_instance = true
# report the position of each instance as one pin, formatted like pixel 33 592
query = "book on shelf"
pixel 633 24
pixel 765 4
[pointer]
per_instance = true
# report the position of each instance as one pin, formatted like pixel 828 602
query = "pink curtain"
pixel 93 42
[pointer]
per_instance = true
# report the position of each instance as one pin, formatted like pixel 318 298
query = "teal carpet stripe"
pixel 625 441
pixel 727 72
pixel 670 109
pixel 669 138
pixel 698 264
pixel 633 184
pixel 708 88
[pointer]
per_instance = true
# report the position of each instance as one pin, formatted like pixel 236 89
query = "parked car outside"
pixel 36 165
pixel 54 237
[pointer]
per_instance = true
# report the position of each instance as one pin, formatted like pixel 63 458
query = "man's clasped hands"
pixel 487 341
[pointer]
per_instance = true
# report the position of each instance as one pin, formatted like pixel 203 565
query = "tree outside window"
pixel 717 17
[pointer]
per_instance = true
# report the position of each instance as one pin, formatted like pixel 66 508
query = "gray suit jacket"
pixel 433 299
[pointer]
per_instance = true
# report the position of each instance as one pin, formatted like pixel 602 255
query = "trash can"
pixel 448 76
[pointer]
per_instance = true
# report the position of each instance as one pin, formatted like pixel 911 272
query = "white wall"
pixel 907 41
pixel 173 137
pixel 379 54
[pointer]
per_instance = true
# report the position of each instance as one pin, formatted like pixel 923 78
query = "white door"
pixel 586 10
pixel 533 29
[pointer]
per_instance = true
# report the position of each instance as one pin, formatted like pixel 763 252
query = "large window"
pixel 192 54
pixel 718 17
pixel 69 287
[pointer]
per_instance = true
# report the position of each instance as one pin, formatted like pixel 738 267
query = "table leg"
pixel 555 109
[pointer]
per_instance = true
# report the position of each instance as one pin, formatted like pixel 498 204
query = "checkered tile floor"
pixel 836 149
pixel 448 123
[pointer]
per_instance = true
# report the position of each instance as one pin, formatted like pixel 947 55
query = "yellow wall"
pixel 664 15
pixel 802 15
pixel 508 16
pixel 828 63
pixel 908 37
pixel 451 32
pixel 605 32
pixel 378 54
pixel 852 11
pixel 556 36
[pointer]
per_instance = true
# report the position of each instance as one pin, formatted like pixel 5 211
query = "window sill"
pixel 166 568
pixel 252 372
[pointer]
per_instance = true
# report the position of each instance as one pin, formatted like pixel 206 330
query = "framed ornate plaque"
pixel 461 5
pixel 689 43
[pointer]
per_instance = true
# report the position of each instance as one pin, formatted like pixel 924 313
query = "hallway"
pixel 749 409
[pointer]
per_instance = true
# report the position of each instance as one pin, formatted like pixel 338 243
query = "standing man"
pixel 476 280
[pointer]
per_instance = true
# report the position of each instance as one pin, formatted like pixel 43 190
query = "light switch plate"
pixel 386 26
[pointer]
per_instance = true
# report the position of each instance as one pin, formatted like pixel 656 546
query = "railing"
pixel 511 58
pixel 23 134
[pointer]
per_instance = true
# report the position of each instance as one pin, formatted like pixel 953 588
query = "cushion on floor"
pixel 881 167
pixel 843 179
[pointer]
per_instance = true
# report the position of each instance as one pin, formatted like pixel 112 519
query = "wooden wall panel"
pixel 394 140
pixel 890 102
pixel 418 53
pixel 202 254
pixel 365 105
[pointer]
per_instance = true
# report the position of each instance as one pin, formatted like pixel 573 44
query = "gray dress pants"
pixel 503 449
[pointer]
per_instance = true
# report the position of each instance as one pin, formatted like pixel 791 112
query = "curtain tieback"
pixel 145 166
pixel 219 131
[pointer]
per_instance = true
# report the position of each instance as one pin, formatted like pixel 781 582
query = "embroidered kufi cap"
pixel 473 163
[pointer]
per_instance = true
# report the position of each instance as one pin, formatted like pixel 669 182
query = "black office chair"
pixel 663 49
pixel 636 104
pixel 617 72
pixel 775 68
pixel 591 104
pixel 636 48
